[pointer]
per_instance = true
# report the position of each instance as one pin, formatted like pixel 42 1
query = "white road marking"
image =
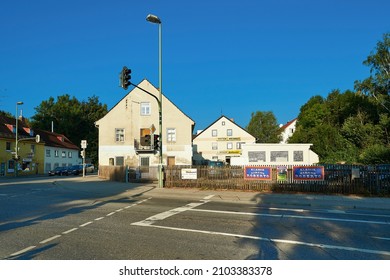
pixel 167 214
pixel 208 197
pixel 292 242
pixel 49 239
pixel 381 238
pixel 69 231
pixel 74 229
pixel 22 251
pixel 292 216
pixel 87 223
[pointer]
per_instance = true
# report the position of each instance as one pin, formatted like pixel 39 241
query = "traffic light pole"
pixel 159 102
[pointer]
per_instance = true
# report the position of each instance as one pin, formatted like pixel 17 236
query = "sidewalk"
pixel 335 202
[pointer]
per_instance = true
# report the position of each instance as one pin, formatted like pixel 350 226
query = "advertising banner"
pixel 309 173
pixel 257 173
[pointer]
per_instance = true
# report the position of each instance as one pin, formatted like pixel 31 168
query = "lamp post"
pixel 154 19
pixel 16 137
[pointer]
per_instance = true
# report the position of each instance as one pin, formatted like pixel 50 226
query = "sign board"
pixel 83 144
pixel 257 173
pixel 189 174
pixel 282 173
pixel 308 173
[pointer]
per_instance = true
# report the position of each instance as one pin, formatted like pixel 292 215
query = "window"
pixel 229 145
pixel 279 156
pixel 145 109
pixel 48 153
pixel 214 133
pixel 8 146
pixel 171 134
pixel 145 164
pixel 63 154
pixel 56 153
pixel 229 132
pixel 119 134
pixel 239 145
pixel 215 146
pixel 33 148
pixel 119 161
pixel 223 123
pixel 70 154
pixel 298 155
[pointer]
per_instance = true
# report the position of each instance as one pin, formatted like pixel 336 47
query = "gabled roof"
pixel 57 140
pixel 288 124
pixel 164 96
pixel 7 125
pixel 223 116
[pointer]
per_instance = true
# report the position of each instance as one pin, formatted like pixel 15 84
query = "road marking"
pixel 69 231
pixel 271 240
pixel 292 216
pixel 208 197
pixel 74 229
pixel 381 238
pixel 170 213
pixel 87 223
pixel 22 251
pixel 50 239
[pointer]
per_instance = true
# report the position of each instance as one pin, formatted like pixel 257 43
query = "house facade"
pixel 276 154
pixel 221 141
pixel 128 130
pixel 287 130
pixel 30 153
pixel 58 150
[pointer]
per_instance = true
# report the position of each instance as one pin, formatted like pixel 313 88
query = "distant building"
pixel 287 130
pixel 220 141
pixel 30 153
pixel 59 150
pixel 276 154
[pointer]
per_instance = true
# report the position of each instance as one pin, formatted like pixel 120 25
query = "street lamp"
pixel 16 137
pixel 154 19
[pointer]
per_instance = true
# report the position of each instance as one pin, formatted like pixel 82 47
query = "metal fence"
pixel 338 179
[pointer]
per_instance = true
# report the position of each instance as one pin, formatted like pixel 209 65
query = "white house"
pixel 287 130
pixel 59 150
pixel 220 141
pixel 127 131
pixel 276 154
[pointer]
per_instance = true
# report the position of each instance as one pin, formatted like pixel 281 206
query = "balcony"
pixel 143 147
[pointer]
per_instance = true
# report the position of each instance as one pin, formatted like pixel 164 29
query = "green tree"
pixel 72 118
pixel 264 127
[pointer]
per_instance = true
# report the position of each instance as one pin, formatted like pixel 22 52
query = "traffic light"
pixel 124 77
pixel 145 140
pixel 156 141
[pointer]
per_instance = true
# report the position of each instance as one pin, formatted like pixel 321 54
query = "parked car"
pixel 76 169
pixel 89 168
pixel 60 171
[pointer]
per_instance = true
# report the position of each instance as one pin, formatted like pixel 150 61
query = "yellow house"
pixel 30 153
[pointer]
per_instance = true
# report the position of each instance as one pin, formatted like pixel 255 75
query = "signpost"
pixel 84 145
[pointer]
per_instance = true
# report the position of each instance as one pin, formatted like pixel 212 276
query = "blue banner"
pixel 308 172
pixel 257 173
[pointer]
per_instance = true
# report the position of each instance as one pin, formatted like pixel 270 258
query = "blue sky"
pixel 219 57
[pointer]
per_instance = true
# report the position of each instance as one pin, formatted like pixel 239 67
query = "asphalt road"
pixel 75 218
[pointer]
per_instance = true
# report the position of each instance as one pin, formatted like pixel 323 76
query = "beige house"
pixel 127 131
pixel 221 141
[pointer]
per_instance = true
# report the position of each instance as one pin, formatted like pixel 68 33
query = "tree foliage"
pixel 73 118
pixel 352 126
pixel 264 127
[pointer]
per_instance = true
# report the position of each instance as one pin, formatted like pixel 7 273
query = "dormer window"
pixel 61 138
